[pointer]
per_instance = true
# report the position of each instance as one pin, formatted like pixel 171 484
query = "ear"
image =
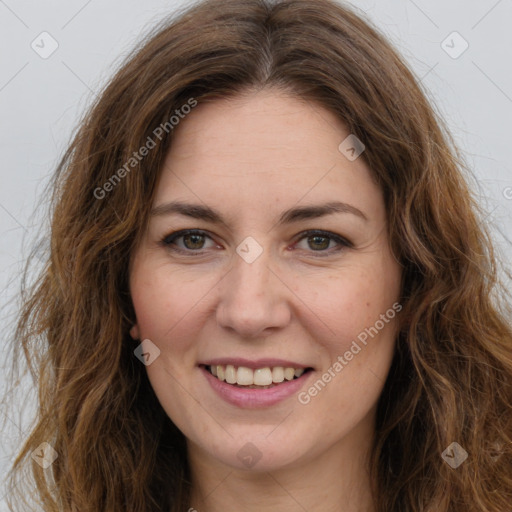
pixel 134 332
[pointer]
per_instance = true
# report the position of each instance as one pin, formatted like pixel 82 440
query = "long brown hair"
pixel 451 378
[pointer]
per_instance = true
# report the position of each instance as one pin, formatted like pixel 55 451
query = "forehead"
pixel 264 149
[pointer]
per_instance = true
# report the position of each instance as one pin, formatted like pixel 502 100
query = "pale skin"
pixel 250 159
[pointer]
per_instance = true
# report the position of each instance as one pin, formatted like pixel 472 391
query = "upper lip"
pixel 254 364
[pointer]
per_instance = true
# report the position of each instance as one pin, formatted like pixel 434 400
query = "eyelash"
pixel 170 239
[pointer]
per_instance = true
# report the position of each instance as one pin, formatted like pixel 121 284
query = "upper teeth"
pixel 260 377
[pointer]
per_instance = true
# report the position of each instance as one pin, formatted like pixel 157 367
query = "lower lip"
pixel 255 398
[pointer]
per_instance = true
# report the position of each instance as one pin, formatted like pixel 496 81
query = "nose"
pixel 253 299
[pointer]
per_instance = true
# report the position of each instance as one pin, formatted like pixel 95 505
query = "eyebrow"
pixel 202 212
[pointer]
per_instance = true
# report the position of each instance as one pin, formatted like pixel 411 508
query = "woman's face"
pixel 289 267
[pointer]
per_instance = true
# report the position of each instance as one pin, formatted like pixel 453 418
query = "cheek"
pixel 345 301
pixel 347 309
pixel 163 303
pixel 359 346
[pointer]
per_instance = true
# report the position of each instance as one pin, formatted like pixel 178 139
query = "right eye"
pixel 186 241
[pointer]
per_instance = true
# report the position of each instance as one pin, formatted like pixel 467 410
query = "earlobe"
pixel 134 332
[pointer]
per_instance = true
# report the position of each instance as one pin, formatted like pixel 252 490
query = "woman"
pixel 268 285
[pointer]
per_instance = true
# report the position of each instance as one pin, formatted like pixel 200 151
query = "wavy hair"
pixel 451 376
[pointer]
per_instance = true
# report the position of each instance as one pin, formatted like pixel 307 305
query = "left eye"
pixel 194 241
pixel 320 242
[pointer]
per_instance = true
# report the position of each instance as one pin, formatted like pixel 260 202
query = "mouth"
pixel 258 378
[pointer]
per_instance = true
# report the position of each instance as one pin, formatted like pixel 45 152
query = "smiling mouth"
pixel 259 378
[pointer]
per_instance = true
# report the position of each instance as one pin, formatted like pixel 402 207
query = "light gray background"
pixel 42 99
